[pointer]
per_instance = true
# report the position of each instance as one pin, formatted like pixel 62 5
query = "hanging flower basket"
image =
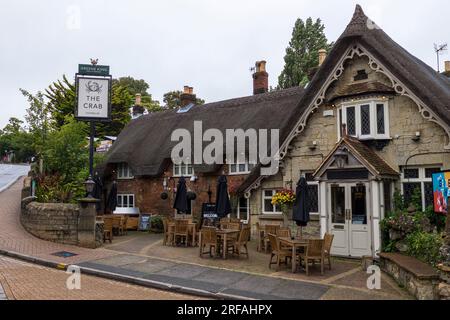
pixel 284 199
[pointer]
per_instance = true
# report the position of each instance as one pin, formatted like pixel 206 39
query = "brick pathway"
pixel 13 237
pixel 24 281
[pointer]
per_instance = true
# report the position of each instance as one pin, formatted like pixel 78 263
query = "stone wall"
pixel 55 222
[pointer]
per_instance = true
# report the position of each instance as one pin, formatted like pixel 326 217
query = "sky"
pixel 207 44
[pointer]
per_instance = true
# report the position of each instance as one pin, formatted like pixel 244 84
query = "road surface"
pixel 9 173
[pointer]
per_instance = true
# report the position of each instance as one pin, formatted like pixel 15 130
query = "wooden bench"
pixel 419 278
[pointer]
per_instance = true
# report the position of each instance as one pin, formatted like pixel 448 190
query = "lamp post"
pixel 89 185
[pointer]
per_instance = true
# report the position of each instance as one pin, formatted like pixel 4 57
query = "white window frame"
pixel 373 118
pixel 187 167
pixel 124 171
pixel 128 195
pixel 239 210
pixel 315 183
pixel 237 171
pixel 275 207
pixel 422 179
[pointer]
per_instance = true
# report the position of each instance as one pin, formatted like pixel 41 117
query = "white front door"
pixel 349 219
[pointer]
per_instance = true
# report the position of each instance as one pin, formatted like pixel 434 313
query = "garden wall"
pixel 57 222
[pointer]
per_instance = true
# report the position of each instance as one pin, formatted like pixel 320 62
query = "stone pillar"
pixel 86 223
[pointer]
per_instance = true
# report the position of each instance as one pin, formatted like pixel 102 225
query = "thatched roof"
pixel 145 143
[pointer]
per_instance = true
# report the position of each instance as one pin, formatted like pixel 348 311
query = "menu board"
pixel 144 222
pixel 441 191
pixel 209 215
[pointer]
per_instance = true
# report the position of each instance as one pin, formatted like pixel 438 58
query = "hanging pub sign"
pixel 441 191
pixel 93 93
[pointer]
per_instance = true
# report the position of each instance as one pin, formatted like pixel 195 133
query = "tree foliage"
pixel 302 54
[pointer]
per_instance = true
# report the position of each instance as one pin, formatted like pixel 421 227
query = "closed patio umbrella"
pixel 223 205
pixel 111 203
pixel 181 200
pixel 300 212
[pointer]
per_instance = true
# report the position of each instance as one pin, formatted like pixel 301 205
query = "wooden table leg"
pixel 294 259
pixel 224 246
pixel 200 242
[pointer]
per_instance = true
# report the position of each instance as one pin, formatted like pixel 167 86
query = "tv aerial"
pixel 440 49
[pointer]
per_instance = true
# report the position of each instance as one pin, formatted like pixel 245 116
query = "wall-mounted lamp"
pixel 313 146
pixel 194 179
pixel 417 136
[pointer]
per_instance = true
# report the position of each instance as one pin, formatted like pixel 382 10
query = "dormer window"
pixel 366 120
pixel 183 170
pixel 243 168
pixel 124 171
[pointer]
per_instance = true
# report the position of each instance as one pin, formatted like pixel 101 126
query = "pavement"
pixel 140 259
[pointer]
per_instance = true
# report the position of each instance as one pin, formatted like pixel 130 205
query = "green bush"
pixel 157 224
pixel 425 246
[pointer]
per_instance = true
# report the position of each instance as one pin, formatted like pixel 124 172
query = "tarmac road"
pixel 9 173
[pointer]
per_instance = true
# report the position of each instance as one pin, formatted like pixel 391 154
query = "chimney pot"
pixel 188 96
pixel 447 66
pixel 260 78
pixel 322 56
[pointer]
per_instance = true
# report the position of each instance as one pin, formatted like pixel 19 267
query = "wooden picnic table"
pixel 224 235
pixel 294 244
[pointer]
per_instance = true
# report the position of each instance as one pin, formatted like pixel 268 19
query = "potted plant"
pixel 285 200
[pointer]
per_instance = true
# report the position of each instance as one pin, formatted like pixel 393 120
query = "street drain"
pixel 64 254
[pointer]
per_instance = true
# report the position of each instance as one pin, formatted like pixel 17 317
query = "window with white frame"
pixel 124 171
pixel 125 201
pixel 367 119
pixel 312 199
pixel 419 178
pixel 243 209
pixel 183 170
pixel 267 206
pixel 244 168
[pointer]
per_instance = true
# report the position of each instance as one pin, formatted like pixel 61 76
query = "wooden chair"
pixel 280 254
pixel 314 252
pixel 116 224
pixel 168 232
pixel 327 243
pixel 182 231
pixel 235 220
pixel 269 229
pixel 108 229
pixel 123 225
pixel 284 233
pixel 208 238
pixel 241 242
pixel 224 220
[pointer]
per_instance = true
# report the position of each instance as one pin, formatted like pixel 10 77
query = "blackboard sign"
pixel 209 215
pixel 144 222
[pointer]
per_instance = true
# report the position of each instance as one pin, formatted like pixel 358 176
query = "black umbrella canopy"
pixel 181 200
pixel 223 206
pixel 301 211
pixel 112 198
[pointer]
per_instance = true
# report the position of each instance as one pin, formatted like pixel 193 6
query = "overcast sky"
pixel 207 44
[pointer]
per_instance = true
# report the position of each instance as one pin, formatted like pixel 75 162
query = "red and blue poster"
pixel 441 191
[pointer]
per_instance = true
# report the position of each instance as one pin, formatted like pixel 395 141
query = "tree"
pixel 15 139
pixel 37 118
pixel 172 100
pixel 303 52
pixel 61 96
pixel 139 86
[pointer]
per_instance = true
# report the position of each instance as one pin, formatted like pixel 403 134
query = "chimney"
pixel 322 56
pixel 188 96
pixel 447 66
pixel 138 109
pixel 260 78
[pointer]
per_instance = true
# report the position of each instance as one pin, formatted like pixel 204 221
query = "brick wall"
pixel 147 191
pixel 57 222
